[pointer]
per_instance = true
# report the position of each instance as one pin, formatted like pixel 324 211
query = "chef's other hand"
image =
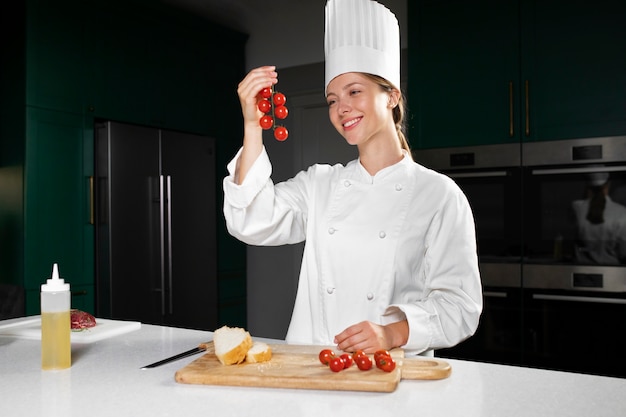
pixel 370 337
pixel 249 89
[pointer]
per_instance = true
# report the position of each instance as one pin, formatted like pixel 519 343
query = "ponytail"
pixel 398 118
pixel 398 112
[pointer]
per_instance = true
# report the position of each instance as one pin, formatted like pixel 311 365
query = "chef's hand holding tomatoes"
pixel 248 91
pixel 370 337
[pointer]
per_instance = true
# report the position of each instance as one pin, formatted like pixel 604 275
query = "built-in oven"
pixel 574 258
pixel 553 265
pixel 490 176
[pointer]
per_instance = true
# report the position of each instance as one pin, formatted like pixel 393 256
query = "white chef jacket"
pixel 604 243
pixel 399 244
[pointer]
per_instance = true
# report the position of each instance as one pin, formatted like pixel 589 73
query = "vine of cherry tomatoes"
pixel 382 359
pixel 273 105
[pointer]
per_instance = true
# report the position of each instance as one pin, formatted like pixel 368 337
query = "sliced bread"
pixel 259 352
pixel 231 344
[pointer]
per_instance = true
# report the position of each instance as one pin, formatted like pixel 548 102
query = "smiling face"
pixel 360 109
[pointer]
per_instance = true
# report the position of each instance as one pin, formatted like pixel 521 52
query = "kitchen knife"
pixel 201 348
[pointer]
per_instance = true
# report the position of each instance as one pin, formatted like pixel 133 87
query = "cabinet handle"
pixel 92 219
pixel 511 128
pixel 526 88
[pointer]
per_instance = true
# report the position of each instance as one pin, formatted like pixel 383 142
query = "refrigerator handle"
pixel 162 239
pixel 169 244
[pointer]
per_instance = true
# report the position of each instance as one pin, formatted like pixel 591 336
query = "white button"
pixel 347 183
pixel 370 296
pixel 330 290
pixel 382 234
pixel 398 187
pixel 331 230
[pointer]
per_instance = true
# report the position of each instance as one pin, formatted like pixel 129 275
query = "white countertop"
pixel 105 380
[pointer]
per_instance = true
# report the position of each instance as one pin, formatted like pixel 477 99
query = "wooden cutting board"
pixel 297 366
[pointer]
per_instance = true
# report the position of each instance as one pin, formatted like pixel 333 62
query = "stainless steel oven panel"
pixel 575 277
pixel 503 275
pixel 470 157
pixel 573 151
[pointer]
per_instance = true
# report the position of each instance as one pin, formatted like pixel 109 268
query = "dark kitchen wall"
pixel 70 62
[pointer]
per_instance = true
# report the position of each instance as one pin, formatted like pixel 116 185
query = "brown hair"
pixel 398 111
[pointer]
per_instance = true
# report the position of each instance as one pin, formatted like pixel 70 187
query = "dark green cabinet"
pixel 575 62
pixel 154 72
pixel 491 72
pixel 463 55
pixel 57 224
pixel 56 70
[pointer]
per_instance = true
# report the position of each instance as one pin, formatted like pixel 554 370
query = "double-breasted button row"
pixel 331 290
pixel 382 234
pixel 398 187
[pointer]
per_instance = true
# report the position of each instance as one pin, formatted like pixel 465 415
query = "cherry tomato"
pixel 279 99
pixel 266 122
pixel 280 112
pixel 281 133
pixel 363 362
pixel 326 355
pixel 386 363
pixel 357 353
pixel 264 105
pixel 266 92
pixel 336 364
pixel 347 360
pixel 380 353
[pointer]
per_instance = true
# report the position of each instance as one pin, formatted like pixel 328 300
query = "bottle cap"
pixel 54 283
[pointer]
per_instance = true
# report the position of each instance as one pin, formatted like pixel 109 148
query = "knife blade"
pixel 201 348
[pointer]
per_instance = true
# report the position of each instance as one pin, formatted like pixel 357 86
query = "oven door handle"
pixel 495 294
pixel 551 297
pixel 484 174
pixel 578 170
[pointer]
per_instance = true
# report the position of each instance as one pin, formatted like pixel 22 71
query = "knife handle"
pixel 206 346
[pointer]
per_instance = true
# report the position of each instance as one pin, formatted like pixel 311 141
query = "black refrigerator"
pixel 155 219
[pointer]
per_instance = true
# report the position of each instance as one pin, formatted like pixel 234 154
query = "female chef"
pixel 390 254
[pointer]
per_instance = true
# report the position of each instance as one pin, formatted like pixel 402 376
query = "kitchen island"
pixel 106 380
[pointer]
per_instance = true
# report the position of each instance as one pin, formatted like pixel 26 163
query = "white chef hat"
pixel 361 36
pixel 596 179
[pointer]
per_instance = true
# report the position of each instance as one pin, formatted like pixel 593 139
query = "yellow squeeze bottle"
pixel 56 352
